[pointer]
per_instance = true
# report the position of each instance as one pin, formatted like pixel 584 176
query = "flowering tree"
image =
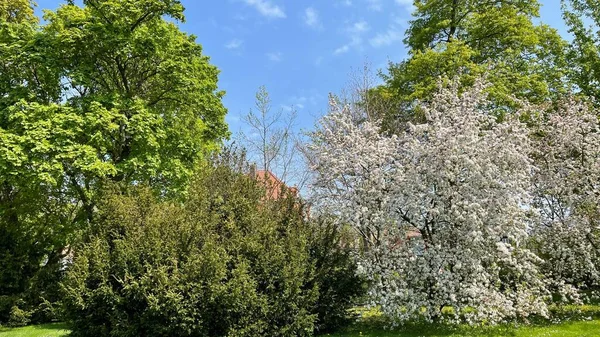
pixel 567 194
pixel 441 209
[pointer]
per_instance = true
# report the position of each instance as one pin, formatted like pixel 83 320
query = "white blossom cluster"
pixel 567 194
pixel 443 209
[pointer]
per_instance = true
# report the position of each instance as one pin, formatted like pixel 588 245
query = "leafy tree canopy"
pixel 112 90
pixel 583 19
pixel 16 11
pixel 468 38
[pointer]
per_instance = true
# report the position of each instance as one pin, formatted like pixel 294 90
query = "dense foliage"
pixel 460 182
pixel 470 38
pixel 226 262
pixel 567 194
pixel 341 287
pixel 478 203
pixel 111 91
pixel 466 186
pixel 583 21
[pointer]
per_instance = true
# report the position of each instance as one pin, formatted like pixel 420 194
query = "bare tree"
pixel 366 99
pixel 272 141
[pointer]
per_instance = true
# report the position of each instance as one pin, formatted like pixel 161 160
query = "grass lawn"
pixel 577 321
pixel 567 329
pixel 44 330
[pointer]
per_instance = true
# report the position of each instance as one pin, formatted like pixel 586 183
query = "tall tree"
pixel 16 11
pixel 439 207
pixel 108 91
pixel 468 38
pixel 583 19
pixel 29 229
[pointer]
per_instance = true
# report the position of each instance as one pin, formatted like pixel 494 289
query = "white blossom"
pixel 567 194
pixel 462 183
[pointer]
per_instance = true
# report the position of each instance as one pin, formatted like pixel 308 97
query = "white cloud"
pixel 392 35
pixel 234 44
pixel 233 118
pixel 295 103
pixel 355 31
pixel 345 3
pixel 299 100
pixel 355 42
pixel 292 107
pixel 266 8
pixel 342 50
pixel 358 27
pixel 311 18
pixel 407 4
pixel 375 5
pixel 275 57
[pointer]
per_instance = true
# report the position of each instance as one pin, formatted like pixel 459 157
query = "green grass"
pixel 373 328
pixel 577 321
pixel 568 329
pixel 44 330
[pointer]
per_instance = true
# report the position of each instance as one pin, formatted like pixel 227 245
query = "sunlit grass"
pixel 586 323
pixel 44 330
pixel 577 321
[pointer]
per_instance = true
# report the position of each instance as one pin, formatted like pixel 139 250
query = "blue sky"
pixel 300 50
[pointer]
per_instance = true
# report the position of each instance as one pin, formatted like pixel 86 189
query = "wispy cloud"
pixel 232 118
pixel 407 4
pixel 311 18
pixel 342 50
pixel 355 42
pixel 355 31
pixel 266 8
pixel 234 44
pixel 389 37
pixel 292 107
pixel 310 97
pixel 358 27
pixel 297 102
pixel 287 108
pixel 375 5
pixel 275 56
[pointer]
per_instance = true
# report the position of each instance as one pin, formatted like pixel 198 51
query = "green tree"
pixel 151 78
pixel 583 19
pixel 470 38
pixel 336 274
pixel 28 207
pixel 16 11
pixel 111 91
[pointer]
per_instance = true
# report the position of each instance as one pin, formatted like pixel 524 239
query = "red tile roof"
pixel 274 185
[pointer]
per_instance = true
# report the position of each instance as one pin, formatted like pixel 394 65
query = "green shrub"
pixel 340 287
pixel 574 312
pixel 18 317
pixel 225 262
pixel 28 277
